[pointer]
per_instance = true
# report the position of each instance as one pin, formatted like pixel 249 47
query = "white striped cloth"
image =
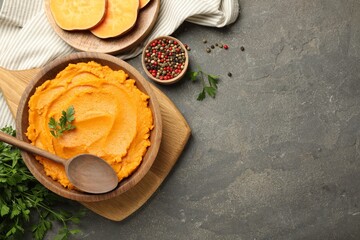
pixel 27 40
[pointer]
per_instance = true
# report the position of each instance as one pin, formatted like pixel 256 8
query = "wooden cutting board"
pixel 176 133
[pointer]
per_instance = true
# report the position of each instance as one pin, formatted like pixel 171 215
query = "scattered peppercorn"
pixel 229 74
pixel 204 41
pixel 220 46
pixel 242 48
pixel 208 50
pixel 164 58
pixel 187 47
pixel 216 44
pixel 226 46
pixel 212 46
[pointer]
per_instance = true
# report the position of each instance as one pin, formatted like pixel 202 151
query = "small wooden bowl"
pixel 49 72
pixel 172 80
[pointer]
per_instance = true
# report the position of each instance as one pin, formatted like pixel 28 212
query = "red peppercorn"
pixel 226 46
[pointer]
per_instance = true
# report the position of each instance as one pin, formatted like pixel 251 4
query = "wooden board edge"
pixel 19 77
pixel 167 107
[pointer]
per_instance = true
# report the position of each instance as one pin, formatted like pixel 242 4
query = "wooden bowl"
pixel 49 72
pixel 172 80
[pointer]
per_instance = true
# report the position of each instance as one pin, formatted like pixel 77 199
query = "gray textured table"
pixel 276 154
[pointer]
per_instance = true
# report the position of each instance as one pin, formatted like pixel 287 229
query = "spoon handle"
pixel 30 148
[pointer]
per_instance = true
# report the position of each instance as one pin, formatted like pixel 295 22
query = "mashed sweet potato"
pixel 112 118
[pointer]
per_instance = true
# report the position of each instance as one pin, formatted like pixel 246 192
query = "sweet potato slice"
pixel 77 14
pixel 120 17
pixel 143 3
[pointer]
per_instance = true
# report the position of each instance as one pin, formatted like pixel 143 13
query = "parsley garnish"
pixel 209 89
pixel 24 200
pixel 58 128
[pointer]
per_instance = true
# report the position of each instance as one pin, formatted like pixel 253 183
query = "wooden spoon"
pixel 86 172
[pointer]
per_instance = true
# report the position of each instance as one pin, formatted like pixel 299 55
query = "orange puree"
pixel 112 118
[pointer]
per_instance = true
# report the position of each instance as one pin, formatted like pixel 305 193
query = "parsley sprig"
pixel 58 128
pixel 210 88
pixel 24 200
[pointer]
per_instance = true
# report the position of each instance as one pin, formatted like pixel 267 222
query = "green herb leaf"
pixel 193 76
pixel 201 95
pixel 213 76
pixel 24 200
pixel 53 133
pixel 12 231
pixel 64 124
pixel 52 123
pixel 70 113
pixel 4 210
pixel 213 81
pixel 210 89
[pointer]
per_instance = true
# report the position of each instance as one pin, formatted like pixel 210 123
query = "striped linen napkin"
pixel 27 40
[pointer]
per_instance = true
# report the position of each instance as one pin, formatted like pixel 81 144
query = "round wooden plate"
pixel 87 42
